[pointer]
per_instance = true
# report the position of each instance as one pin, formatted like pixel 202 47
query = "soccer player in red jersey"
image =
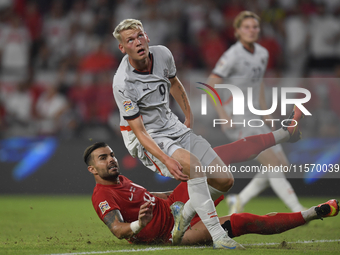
pixel 140 216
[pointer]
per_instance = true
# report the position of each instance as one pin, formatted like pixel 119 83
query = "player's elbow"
pixel 118 234
pixel 116 231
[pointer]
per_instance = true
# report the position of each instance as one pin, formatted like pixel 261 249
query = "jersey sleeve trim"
pixel 173 76
pixel 132 117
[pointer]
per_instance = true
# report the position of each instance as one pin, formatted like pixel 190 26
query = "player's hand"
pixel 145 214
pixel 176 169
pixel 189 121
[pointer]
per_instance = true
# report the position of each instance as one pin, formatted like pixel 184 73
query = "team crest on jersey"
pixel 104 206
pixel 166 73
pixel 128 106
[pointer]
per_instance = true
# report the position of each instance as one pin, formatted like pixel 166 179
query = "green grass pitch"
pixel 69 224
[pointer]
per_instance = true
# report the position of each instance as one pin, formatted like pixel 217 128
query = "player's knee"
pixel 221 184
pixel 230 182
pixel 227 184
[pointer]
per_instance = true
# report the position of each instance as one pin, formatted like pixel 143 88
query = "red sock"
pixel 247 223
pixel 244 148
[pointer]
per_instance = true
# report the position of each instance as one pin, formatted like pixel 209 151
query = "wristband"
pixel 135 227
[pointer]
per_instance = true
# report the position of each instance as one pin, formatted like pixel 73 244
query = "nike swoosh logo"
pixel 130 198
pixel 231 248
pixel 211 213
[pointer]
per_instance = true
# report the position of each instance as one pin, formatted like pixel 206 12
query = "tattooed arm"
pixel 121 229
pixel 178 92
pixel 116 224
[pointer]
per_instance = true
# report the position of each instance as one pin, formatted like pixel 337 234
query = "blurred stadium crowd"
pixel 58 57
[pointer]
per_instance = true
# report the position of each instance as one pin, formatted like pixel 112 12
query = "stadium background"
pixel 58 59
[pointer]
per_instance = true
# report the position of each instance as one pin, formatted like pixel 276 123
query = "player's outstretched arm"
pixel 121 229
pixel 151 146
pixel 178 92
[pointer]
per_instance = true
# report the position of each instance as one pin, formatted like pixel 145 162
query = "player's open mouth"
pixel 141 52
pixel 114 168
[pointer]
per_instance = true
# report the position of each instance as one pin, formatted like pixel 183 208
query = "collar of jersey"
pixel 147 72
pixel 252 53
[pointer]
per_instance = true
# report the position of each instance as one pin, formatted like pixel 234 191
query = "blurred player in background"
pixel 143 217
pixel 244 65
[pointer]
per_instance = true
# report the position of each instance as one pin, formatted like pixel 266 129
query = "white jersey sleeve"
pixel 166 55
pixel 172 65
pixel 224 66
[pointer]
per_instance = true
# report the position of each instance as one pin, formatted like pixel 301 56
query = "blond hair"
pixel 125 25
pixel 242 16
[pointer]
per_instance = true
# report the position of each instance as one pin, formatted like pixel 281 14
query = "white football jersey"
pixel 147 94
pixel 244 69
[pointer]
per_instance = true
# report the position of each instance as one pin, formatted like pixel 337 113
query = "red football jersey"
pixel 127 197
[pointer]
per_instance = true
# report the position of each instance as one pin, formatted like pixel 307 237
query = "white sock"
pixel 188 211
pixel 214 193
pixel 281 135
pixel 309 214
pixel 204 206
pixel 284 191
pixel 258 184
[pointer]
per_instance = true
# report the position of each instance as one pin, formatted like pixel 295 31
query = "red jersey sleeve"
pixel 103 202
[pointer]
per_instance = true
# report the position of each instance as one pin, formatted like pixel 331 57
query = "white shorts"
pixel 197 145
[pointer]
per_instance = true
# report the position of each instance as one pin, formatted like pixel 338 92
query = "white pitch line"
pixel 134 250
pixel 190 247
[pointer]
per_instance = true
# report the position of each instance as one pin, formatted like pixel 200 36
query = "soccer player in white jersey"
pixel 244 65
pixel 142 84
